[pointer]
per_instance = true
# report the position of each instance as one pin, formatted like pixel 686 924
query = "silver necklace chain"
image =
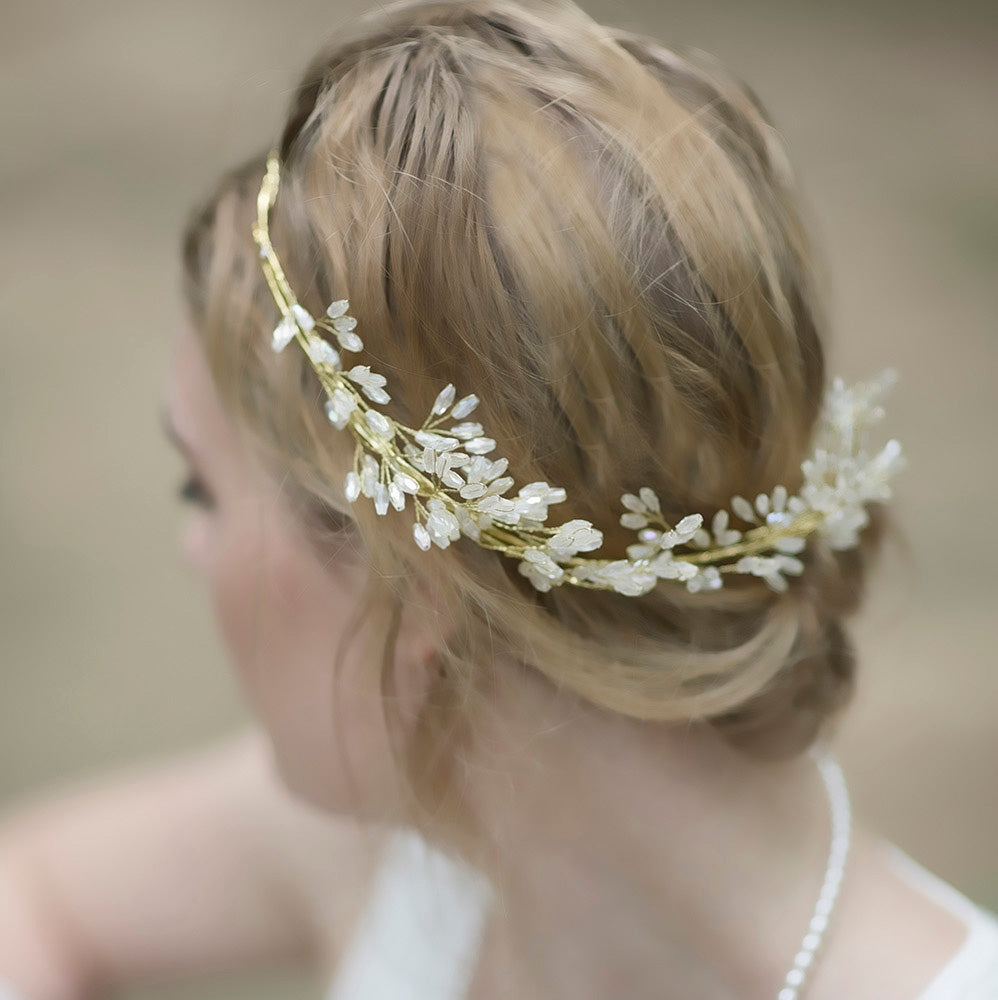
pixel 841 817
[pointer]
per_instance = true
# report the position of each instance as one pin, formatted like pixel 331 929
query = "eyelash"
pixel 192 490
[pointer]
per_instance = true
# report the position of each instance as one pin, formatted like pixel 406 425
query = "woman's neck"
pixel 639 859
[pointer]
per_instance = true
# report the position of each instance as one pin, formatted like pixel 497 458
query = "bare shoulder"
pixel 181 866
pixel 889 937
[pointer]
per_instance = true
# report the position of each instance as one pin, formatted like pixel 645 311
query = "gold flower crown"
pixel 457 490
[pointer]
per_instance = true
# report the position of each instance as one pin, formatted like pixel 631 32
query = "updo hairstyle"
pixel 600 237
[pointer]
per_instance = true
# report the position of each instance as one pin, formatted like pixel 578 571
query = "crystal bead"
pixel 438 442
pixel 322 352
pixel 796 506
pixel 406 482
pixel 339 406
pixel 283 333
pixel 377 395
pixel 633 521
pixel 352 487
pixel 480 446
pixel 743 509
pixel 472 491
pixel 649 499
pixel 688 527
pixel 701 539
pixel 789 545
pixel 368 476
pixel 379 423
pixel 464 407
pixel 350 342
pixel 422 536
pixel 444 400
pixel 304 317
pixel 632 503
pixel 501 485
pixel 465 432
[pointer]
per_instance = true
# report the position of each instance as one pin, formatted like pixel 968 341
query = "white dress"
pixel 419 936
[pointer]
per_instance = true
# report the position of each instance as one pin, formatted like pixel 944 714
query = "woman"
pixel 582 249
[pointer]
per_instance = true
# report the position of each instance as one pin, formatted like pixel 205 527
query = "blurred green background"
pixel 118 116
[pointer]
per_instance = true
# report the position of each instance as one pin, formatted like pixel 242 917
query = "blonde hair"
pixel 600 236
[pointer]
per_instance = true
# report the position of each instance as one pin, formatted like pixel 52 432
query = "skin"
pixel 710 863
pixel 282 610
pixel 99 895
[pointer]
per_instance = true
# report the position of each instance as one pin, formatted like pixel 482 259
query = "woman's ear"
pixel 424 627
pixel 426 621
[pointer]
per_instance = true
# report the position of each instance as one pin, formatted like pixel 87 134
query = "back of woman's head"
pixel 600 238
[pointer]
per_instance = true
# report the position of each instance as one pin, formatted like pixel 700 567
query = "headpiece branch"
pixel 456 488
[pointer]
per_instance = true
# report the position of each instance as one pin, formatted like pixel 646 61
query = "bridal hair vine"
pixel 456 489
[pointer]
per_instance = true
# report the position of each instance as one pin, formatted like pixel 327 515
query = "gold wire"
pixel 505 539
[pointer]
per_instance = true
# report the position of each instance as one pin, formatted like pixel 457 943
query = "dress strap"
pixel 419 936
pixel 975 964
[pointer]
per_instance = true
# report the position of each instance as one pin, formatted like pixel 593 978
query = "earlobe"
pixel 425 629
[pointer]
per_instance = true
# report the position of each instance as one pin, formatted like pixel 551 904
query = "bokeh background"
pixel 117 116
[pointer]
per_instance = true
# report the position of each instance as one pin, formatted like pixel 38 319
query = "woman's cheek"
pixel 282 612
pixel 194 542
pixel 233 571
pixel 278 619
